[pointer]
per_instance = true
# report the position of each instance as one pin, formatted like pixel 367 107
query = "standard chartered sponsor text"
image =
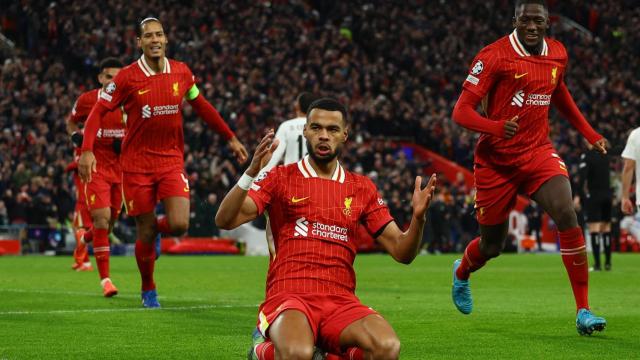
pixel 330 231
pixel 165 110
pixel 539 100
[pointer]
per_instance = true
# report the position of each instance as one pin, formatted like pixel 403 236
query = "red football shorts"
pixel 327 315
pixel 82 215
pixel 498 187
pixel 101 192
pixel 142 191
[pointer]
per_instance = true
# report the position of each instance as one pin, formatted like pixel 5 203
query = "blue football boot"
pixel 150 299
pixel 460 292
pixel 587 323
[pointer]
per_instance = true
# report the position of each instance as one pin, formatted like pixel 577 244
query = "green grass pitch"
pixel 523 309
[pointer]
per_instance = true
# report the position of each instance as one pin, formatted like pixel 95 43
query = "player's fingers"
pixel 418 183
pixel 432 182
pixel 94 166
pixel 274 145
pixel 514 119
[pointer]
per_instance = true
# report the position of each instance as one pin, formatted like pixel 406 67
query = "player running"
pixel 315 206
pixel 517 78
pixel 103 194
pixel 151 91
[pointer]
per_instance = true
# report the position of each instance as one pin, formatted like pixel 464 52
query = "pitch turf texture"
pixel 523 309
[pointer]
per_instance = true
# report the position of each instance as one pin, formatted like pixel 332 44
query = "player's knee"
pixel 565 217
pixel 101 222
pixel 387 348
pixel 294 352
pixel 179 227
pixel 491 250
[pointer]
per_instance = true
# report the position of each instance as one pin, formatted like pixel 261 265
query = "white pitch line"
pixel 175 308
pixel 94 294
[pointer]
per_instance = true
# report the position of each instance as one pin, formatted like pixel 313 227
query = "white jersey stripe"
pixel 308 172
pixel 146 69
pixel 303 170
pixel 141 65
pixel 307 165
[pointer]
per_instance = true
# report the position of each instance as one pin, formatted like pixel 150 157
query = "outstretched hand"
pixel 263 153
pixel 238 150
pixel 601 145
pixel 422 197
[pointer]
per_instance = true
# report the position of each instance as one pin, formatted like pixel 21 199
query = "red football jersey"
pixel 314 223
pixel 152 105
pixel 515 82
pixel 111 127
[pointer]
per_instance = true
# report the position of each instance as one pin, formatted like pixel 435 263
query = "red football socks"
pixel 472 260
pixel 266 351
pixel 574 257
pixel 146 258
pixel 162 225
pixel 101 251
pixel 88 236
pixel 352 354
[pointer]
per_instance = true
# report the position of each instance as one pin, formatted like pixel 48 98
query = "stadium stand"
pixel 399 66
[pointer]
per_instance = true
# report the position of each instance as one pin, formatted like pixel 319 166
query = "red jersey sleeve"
pixel 483 72
pixel 376 214
pixel 264 189
pixel 116 91
pixel 81 109
pixel 189 79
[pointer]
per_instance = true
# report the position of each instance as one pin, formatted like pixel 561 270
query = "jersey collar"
pixel 146 69
pixel 521 50
pixel 308 172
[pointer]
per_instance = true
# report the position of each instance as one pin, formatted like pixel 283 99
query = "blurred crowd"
pixel 398 65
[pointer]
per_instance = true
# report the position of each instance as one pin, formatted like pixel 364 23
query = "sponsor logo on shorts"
pixel 142 92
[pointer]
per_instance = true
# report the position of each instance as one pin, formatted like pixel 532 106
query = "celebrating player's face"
pixel 107 75
pixel 326 134
pixel 531 23
pixel 152 41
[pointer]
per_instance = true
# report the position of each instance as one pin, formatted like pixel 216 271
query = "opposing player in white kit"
pixel 631 156
pixel 293 146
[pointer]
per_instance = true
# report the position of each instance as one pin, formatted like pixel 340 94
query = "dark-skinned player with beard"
pixel 315 206
pixel 517 79
pixel 152 91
